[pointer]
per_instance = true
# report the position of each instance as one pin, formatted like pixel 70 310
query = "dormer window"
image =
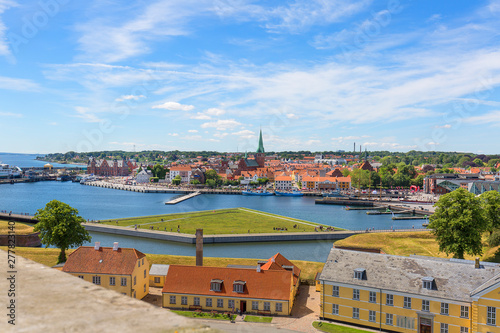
pixel 360 274
pixel 239 286
pixel 428 282
pixel 216 285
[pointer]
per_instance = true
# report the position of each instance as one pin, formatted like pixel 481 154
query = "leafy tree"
pixel 211 183
pixel 490 204
pixel 195 182
pixel 458 223
pixel 177 180
pixel 478 162
pixel 60 225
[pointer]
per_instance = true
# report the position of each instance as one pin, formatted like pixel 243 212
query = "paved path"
pixel 304 312
pixel 279 217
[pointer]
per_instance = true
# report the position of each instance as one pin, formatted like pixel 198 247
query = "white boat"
pixel 9 172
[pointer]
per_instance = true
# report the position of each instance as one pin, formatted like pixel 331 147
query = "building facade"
pixel 114 168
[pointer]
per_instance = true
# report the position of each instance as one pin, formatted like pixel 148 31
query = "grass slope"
pixel 332 328
pixel 217 222
pixel 19 227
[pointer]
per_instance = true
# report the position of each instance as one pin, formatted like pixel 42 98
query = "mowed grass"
pixel 20 228
pixel 406 243
pixel 332 328
pixel 48 257
pixel 220 221
pixel 257 319
pixel 204 315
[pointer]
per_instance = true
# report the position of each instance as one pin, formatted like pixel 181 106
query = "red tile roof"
pixel 195 280
pixel 86 259
pixel 277 262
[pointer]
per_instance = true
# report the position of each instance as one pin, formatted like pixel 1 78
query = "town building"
pixel 114 168
pixel 143 176
pixel 184 171
pixel 408 294
pixel 442 183
pixel 124 270
pixel 157 275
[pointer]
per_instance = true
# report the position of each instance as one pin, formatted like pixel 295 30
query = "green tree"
pixel 458 223
pixel 211 183
pixel 490 204
pixel 60 225
pixel 177 180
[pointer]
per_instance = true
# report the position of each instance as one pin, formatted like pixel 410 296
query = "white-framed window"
pixel 80 276
pixel 279 307
pixel 388 319
pixel 407 302
pixel 355 294
pixel 220 302
pixel 464 329
pixel 184 300
pixel 355 313
pixel 335 291
pixel 112 281
pixel 444 308
pixel 208 302
pixel 464 311
pixel 267 306
pixel 124 282
pixel 135 280
pixel 196 301
pixel 335 309
pixel 96 280
pixel 372 316
pixel 215 286
pixel 255 305
pixel 491 316
pixel 172 299
pixel 389 299
pixel 157 279
pixel 373 297
pixel 230 303
pixel 238 287
pixel 444 328
pixel 425 305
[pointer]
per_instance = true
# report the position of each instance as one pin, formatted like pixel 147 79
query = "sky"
pixel 314 75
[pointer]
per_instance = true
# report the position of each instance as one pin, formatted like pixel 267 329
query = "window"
pixel 355 294
pixel 124 282
pixel 134 295
pixel 230 303
pixel 196 301
pixel 172 300
pixel 139 263
pixel 464 329
pixel 144 287
pixel 335 309
pixel 491 318
pixel 215 285
pixel 80 276
pixel 208 302
pixel 135 280
pixel 359 273
pixel 335 291
pixel 111 280
pixel 464 311
pixel 407 302
pixel 239 286
pixel 220 303
pixel 267 306
pixel 96 280
pixel 405 322
pixel 144 273
pixel 157 279
pixel 143 261
pixel 425 305
pixel 428 282
pixel 372 316
pixel 389 299
pixel 444 328
pixel 444 308
pixel 388 318
pixel 373 297
pixel 355 313
pixel 279 307
pixel 184 300
pixel 255 305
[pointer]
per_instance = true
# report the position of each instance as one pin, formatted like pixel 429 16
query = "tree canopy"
pixel 60 225
pixel 490 203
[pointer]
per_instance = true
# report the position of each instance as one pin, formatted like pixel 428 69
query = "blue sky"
pixel 206 75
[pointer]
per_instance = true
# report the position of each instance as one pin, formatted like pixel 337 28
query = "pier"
pixel 182 198
pixel 344 202
pixel 410 217
pixel 18 217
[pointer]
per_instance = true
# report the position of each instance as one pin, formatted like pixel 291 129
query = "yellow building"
pixel 410 294
pixel 124 270
pixel 157 274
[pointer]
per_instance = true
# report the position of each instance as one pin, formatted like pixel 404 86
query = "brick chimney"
pixel 199 247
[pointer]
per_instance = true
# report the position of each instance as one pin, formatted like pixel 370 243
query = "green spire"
pixel 261 144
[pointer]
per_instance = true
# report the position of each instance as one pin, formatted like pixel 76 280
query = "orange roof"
pixel 266 284
pixel 277 262
pixel 180 168
pixel 86 259
pixel 283 178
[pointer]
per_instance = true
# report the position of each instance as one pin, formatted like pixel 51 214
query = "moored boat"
pixel 289 194
pixel 265 194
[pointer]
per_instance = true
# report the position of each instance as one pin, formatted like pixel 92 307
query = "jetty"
pixel 344 202
pixel 363 208
pixel 182 198
pixel 18 217
pixel 410 217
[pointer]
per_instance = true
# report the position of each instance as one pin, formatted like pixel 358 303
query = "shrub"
pixel 494 238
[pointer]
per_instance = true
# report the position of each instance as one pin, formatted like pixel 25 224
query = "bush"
pixel 494 238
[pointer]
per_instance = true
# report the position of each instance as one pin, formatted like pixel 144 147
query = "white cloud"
pixel 215 112
pixel 200 116
pixel 222 125
pixel 492 118
pixel 221 135
pixel 245 134
pixel 4 46
pixel 11 114
pixel 9 83
pixel 173 134
pixel 129 97
pixel 193 131
pixel 174 106
pixel 86 115
pixel 443 126
pixel 292 116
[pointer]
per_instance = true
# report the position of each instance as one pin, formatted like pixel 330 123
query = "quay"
pixel 364 208
pixel 344 202
pixel 184 197
pixel 18 217
pixel 410 217
pixel 230 238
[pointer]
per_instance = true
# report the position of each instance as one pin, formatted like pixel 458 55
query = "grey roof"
pixel 242 266
pixel 251 162
pixel 157 269
pixel 454 279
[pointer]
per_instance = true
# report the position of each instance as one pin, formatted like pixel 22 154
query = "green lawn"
pixel 256 319
pixel 219 221
pixel 20 228
pixel 332 328
pixel 204 315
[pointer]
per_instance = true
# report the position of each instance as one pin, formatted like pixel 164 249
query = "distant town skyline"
pixel 208 74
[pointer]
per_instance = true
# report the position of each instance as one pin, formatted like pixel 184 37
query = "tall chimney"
pixel 199 247
pixel 478 265
pixel 97 246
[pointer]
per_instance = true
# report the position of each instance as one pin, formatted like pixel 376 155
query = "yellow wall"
pixel 142 280
pixel 225 308
pixel 152 281
pixel 126 290
pixel 492 299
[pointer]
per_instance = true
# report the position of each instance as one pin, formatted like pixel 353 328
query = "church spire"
pixel 261 144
